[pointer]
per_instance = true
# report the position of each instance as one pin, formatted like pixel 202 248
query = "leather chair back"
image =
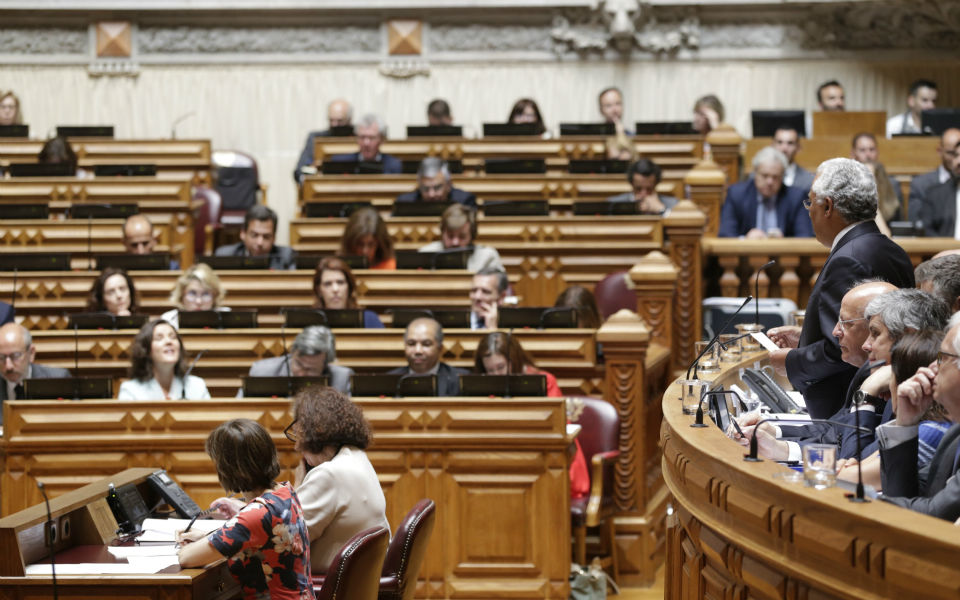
pixel 612 294
pixel 600 426
pixel 209 214
pixel 398 581
pixel 354 573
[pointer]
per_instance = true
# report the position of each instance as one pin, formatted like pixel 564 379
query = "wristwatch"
pixel 860 398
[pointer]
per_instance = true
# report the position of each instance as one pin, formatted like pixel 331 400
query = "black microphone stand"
pixel 506 391
pixel 49 538
pixel 183 391
pixel 698 420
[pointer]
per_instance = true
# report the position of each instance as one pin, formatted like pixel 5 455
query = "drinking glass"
pixel 820 465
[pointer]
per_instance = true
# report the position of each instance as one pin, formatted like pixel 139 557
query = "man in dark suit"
pixel 422 344
pixel 6 313
pixel 786 139
pixel 371 131
pixel 339 114
pixel 842 208
pixel 939 211
pixel 17 353
pixel 935 488
pixel 256 239
pixel 310 355
pixel 922 184
pixel 763 207
pixel 433 185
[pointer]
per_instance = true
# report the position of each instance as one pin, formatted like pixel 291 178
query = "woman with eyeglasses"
pixel 338 488
pixel 198 288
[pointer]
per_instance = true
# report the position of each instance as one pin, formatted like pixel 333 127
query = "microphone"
pixel 90 241
pixel 173 127
pixel 506 391
pixel 13 293
pixel 49 538
pixel 286 356
pixel 716 337
pixel 698 421
pixel 76 361
pixel 756 292
pixel 183 395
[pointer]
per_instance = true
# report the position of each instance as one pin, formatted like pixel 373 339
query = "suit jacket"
pixel 456 195
pixel 339 377
pixel 933 489
pixel 6 313
pixel 815 368
pixel 668 201
pixel 919 187
pixel 939 212
pixel 448 378
pixel 803 180
pixel 391 164
pixel 282 258
pixel 739 213
pixel 306 155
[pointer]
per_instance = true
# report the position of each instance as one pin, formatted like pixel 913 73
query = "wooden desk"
pixel 85 526
pixel 798 263
pixel 173 158
pixel 570 354
pixel 154 196
pixel 848 123
pixel 542 256
pixel 739 532
pixel 496 468
pixel 45 299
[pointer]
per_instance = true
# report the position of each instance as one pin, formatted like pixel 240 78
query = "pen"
pixel 192 521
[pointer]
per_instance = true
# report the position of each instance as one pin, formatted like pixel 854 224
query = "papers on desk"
pixel 149 550
pixel 797 397
pixel 164 530
pixel 764 341
pixel 142 565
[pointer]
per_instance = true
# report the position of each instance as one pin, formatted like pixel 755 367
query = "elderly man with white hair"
pixel 842 208
pixel 763 206
pixel 371 131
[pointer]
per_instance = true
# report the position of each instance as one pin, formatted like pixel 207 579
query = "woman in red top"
pixel 366 235
pixel 501 354
pixel 266 543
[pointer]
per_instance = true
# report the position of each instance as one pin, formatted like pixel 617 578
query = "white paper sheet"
pixel 764 341
pixel 148 565
pixel 164 530
pixel 141 551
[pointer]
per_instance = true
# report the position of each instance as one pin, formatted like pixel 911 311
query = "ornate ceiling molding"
pixel 913 24
pixel 624 25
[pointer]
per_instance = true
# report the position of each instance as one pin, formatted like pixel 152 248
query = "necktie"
pixel 18 390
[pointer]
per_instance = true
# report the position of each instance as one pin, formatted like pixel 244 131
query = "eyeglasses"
pixel 845 323
pixel 290 433
pixel 13 356
pixel 807 203
pixel 943 356
pixel 193 295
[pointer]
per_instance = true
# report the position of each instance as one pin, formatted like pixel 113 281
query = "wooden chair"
pixel 398 581
pixel 355 570
pixel 599 439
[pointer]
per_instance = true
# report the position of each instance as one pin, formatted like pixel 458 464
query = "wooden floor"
pixel 654 592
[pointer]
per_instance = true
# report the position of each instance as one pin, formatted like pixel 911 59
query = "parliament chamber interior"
pixel 479 299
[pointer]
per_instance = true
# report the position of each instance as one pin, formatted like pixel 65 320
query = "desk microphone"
pixel 13 293
pixel 506 390
pixel 183 395
pixel 76 361
pixel 756 289
pixel 173 126
pixel 286 356
pixel 696 361
pixel 50 538
pixel 752 457
pixel 698 421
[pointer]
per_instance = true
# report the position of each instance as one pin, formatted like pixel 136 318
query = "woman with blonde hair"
pixel 198 288
pixel 10 109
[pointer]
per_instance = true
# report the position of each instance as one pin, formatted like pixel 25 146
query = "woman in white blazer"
pixel 158 367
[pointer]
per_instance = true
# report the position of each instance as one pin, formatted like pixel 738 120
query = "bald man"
pixel 138 235
pixel 16 361
pixel 339 114
pixel 422 346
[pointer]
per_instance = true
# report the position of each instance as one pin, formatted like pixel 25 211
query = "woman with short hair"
pixel 113 292
pixel 365 234
pixel 265 543
pixel 198 288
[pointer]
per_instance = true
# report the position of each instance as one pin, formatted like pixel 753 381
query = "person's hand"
pixel 774 233
pixel 488 312
pixel 226 508
pixel 847 469
pixel 785 336
pixel 778 360
pixel 748 419
pixel 710 115
pixel 756 234
pixel 915 395
pixel 768 446
pixel 651 204
pixel 878 383
pixel 188 537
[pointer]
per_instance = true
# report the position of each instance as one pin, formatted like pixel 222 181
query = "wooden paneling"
pixel 496 468
pixel 740 531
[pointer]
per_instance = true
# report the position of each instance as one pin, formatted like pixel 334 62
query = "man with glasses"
pixel 935 488
pixel 938 210
pixel 433 185
pixel 842 206
pixel 16 359
pixel 921 184
pixel 310 356
pixel 371 132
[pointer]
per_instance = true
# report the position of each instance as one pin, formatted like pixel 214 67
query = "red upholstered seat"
pixel 600 440
pixel 355 570
pixel 612 294
pixel 398 581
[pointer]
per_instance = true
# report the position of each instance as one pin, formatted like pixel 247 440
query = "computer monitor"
pixel 68 388
pixel 14 131
pixel 42 170
pixel 158 261
pixel 330 317
pixel 125 170
pixel 419 209
pixel 310 261
pixel 36 261
pixel 511 129
pixel 105 320
pixel 103 211
pixel 434 131
pixel 24 211
pixel 280 387
pixel 537 317
pixel 218 319
pixel 455 318
pixel 598 166
pixel 937 120
pixel 326 210
pixel 601 129
pixel 516 208
pixel 390 386
pixel 766 122
pixel 235 262
pixel 603 207
pixel 664 128
pixel 412 167
pixel 503 386
pixel 351 167
pixel 455 258
pixel 515 165
pixel 74 131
